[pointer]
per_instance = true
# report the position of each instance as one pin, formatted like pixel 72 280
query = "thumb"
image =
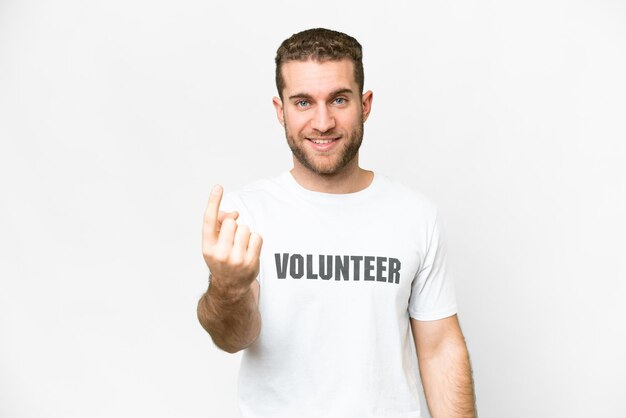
pixel 223 215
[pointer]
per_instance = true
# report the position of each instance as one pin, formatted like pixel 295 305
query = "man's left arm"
pixel 445 368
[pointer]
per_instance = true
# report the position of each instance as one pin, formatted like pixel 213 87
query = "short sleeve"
pixel 231 201
pixel 432 290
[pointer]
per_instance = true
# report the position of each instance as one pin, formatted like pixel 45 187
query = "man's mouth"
pixel 321 141
pixel 323 144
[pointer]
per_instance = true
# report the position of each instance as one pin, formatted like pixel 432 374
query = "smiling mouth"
pixel 323 145
pixel 321 141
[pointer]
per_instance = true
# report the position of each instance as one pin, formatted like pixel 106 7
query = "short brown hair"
pixel 321 45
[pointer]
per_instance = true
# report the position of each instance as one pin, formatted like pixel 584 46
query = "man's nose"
pixel 323 120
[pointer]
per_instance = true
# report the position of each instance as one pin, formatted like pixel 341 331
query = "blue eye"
pixel 302 103
pixel 340 100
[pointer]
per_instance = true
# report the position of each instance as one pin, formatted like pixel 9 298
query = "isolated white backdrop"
pixel 117 117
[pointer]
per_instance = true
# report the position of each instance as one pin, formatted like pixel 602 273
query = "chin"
pixel 323 169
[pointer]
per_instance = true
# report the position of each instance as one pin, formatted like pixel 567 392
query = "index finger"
pixel 210 226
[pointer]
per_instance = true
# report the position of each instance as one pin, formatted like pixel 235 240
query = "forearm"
pixel 447 380
pixel 234 322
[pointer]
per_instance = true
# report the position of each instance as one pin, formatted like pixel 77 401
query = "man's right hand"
pixel 230 251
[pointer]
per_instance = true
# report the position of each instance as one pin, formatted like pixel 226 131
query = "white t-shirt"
pixel 340 275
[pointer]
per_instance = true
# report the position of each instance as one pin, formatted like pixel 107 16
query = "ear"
pixel 278 106
pixel 366 104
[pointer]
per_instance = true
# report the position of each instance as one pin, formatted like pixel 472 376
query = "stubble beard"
pixel 319 163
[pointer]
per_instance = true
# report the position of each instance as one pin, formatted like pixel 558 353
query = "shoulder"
pixel 408 195
pixel 255 191
pixel 248 200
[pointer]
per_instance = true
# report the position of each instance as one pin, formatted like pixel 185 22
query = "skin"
pixel 229 310
pixel 320 100
pixel 444 368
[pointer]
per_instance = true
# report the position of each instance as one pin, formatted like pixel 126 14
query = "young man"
pixel 350 275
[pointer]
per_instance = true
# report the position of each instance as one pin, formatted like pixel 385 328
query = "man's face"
pixel 322 113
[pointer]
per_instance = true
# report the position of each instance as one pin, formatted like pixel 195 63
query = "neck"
pixel 350 179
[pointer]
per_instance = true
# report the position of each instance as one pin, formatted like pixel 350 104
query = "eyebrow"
pixel 332 94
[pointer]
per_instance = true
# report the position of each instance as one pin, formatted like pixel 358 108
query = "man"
pixel 350 267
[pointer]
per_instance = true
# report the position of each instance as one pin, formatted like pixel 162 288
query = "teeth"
pixel 322 141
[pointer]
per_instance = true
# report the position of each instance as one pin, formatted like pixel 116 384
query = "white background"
pixel 117 117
